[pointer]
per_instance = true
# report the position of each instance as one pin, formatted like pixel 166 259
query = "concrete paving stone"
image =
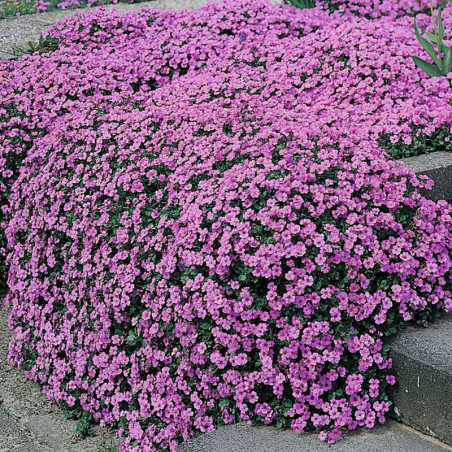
pixel 392 437
pixel 432 346
pixel 422 364
pixel 437 166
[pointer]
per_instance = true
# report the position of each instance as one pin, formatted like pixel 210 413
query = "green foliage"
pixel 111 448
pixel 83 427
pixel 302 4
pixel 85 419
pixel 47 44
pixel 442 56
pixel 421 143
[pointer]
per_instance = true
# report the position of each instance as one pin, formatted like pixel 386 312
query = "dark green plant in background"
pixel 302 4
pixel 442 56
pixel 17 7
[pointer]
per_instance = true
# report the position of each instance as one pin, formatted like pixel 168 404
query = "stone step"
pixel 422 364
pixel 391 437
pixel 438 167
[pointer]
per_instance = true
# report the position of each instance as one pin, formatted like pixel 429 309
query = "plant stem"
pixel 434 20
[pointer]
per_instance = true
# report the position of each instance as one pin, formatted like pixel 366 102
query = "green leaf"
pixel 131 336
pixel 428 68
pixel 447 62
pixel 432 37
pixel 428 47
pixel 242 278
pixel 302 4
pixel 206 326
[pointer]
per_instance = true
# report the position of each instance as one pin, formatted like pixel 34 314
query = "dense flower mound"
pixel 105 57
pixel 203 221
pixel 174 270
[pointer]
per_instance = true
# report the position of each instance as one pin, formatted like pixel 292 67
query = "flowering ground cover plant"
pixel 204 222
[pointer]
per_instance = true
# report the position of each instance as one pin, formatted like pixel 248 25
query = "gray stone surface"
pixel 14 437
pixel 6 56
pixel 393 437
pixel 16 32
pixel 422 360
pixel 437 166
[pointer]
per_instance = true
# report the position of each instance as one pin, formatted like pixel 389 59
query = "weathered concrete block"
pixel 422 364
pixel 392 437
pixel 437 166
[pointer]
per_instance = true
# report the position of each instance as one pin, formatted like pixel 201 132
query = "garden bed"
pixel 205 220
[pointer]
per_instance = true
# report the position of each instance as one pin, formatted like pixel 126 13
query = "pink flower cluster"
pixel 202 225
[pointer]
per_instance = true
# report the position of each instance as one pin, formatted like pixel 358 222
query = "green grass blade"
pixel 447 63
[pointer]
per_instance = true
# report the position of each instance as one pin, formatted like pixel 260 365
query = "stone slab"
pixel 392 437
pixel 422 364
pixel 14 437
pixel 437 166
